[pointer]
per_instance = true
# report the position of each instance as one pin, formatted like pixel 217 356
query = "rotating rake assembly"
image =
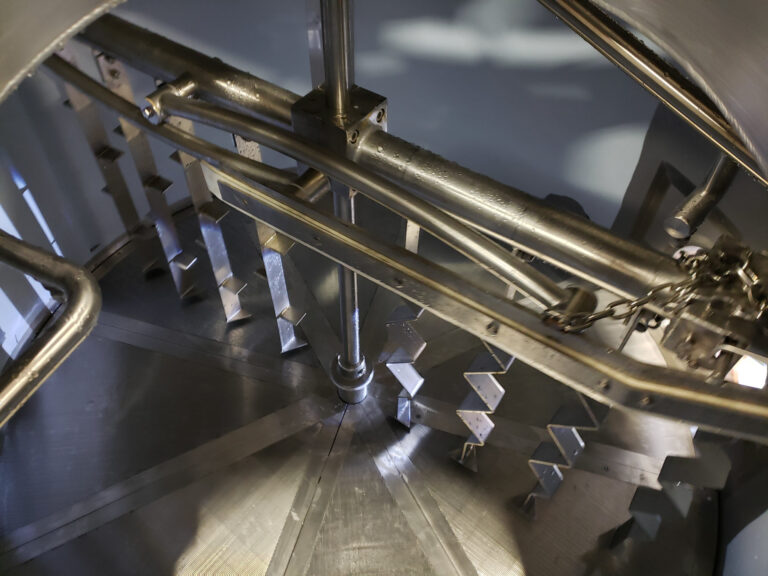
pixel 305 298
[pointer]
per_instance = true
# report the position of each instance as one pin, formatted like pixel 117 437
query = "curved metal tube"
pixel 57 341
pixel 497 260
pixel 166 60
pixel 170 134
pixel 583 248
pixel 575 244
pixel 573 359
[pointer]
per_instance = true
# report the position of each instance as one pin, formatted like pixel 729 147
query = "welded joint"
pixel 184 86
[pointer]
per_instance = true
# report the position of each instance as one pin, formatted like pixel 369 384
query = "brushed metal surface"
pixel 31 31
pixel 721 45
pixel 173 445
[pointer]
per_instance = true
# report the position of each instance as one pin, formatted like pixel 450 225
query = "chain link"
pixel 673 297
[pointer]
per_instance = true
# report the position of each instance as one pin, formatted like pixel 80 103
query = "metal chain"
pixel 678 295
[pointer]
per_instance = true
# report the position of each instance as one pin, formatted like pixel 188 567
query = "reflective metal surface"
pixel 707 48
pixel 203 456
pixel 599 394
pixel 666 26
pixel 70 326
pixel 32 31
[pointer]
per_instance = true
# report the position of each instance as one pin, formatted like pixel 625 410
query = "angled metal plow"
pixel 551 457
pixel 680 477
pixel 210 212
pixel 407 345
pixel 181 263
pixel 482 401
pixel 275 247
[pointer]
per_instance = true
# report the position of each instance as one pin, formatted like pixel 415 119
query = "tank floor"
pixel 171 443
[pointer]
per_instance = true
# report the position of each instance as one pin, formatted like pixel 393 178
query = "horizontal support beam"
pixel 492 257
pixel 573 359
pixel 568 241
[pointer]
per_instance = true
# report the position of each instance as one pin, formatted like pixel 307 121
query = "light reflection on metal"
pixel 570 358
pixel 476 409
pixel 274 248
pixel 180 263
pixel 749 372
pixel 210 212
pixel 58 340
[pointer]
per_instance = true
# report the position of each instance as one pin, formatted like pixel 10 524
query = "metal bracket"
pixel 274 247
pixel 180 264
pixel 407 345
pixel 210 212
pixel 482 401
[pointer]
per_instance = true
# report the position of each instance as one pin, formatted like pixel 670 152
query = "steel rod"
pixel 659 78
pixel 170 134
pixel 338 49
pixel 695 208
pixel 70 326
pixel 573 359
pixel 573 243
pixel 350 358
pixel 338 54
pixel 166 60
pixel 583 248
pixel 497 260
